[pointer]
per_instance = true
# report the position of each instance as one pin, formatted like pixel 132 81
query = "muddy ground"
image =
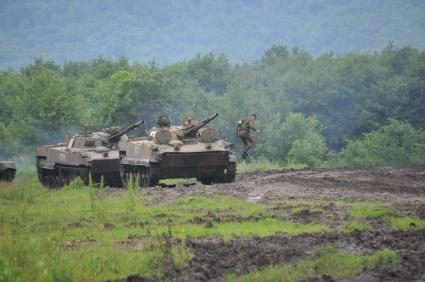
pixel 402 189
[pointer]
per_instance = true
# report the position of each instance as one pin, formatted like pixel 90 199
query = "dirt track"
pixel 403 189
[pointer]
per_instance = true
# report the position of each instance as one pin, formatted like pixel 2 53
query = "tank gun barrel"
pixel 129 128
pixel 198 126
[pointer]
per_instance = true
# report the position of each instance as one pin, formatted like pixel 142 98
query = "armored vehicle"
pixel 88 153
pixel 7 171
pixel 190 151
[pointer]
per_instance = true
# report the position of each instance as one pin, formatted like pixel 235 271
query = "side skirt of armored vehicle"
pixel 57 176
pixel 206 167
pixel 7 171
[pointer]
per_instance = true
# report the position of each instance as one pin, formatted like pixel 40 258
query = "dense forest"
pixel 339 110
pixel 169 31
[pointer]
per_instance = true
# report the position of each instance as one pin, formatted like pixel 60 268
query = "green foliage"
pixel 76 183
pixel 397 143
pixel 305 104
pixel 210 72
pixel 297 140
pixel 131 197
pixel 9 272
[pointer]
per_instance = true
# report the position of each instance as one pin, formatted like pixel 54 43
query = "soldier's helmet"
pixel 163 121
pixel 189 121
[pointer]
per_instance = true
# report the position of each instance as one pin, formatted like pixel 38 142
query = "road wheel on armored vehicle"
pixel 230 174
pixel 207 180
pixel 144 175
pixel 228 177
pixel 7 175
pixel 146 178
pixel 7 171
pixel 127 173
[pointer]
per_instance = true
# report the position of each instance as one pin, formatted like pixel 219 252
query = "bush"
pixel 397 143
pixel 296 141
pixel 308 151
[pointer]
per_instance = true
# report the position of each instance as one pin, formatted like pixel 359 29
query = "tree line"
pixel 353 109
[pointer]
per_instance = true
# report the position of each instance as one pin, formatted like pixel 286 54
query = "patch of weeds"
pixel 21 189
pixel 366 210
pixel 330 262
pixel 9 271
pixel 97 198
pixel 131 197
pixel 406 222
pixel 174 254
pixel 182 255
pixel 363 211
pixel 76 184
pixel 173 181
pixel 260 228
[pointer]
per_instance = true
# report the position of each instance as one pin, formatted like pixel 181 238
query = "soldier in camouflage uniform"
pixel 163 121
pixel 189 122
pixel 243 131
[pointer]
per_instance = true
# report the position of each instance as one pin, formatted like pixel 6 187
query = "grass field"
pixel 89 233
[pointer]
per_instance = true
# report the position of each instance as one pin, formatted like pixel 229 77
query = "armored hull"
pixel 172 152
pixel 94 155
pixel 7 171
pixel 59 165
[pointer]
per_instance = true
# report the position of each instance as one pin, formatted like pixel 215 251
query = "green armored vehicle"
pixel 189 151
pixel 7 171
pixel 89 153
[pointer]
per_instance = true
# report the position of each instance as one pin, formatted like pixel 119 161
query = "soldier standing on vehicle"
pixel 189 122
pixel 163 121
pixel 243 131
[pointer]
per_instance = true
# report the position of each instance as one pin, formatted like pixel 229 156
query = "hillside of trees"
pixel 352 109
pixel 169 31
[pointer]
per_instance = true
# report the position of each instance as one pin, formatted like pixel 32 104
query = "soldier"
pixel 163 121
pixel 243 131
pixel 189 122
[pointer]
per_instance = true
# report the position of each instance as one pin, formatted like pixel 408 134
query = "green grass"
pixel 260 228
pixel 82 233
pixel 48 233
pixel 367 210
pixel 406 222
pixel 330 262
pixel 174 181
pixel 360 212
